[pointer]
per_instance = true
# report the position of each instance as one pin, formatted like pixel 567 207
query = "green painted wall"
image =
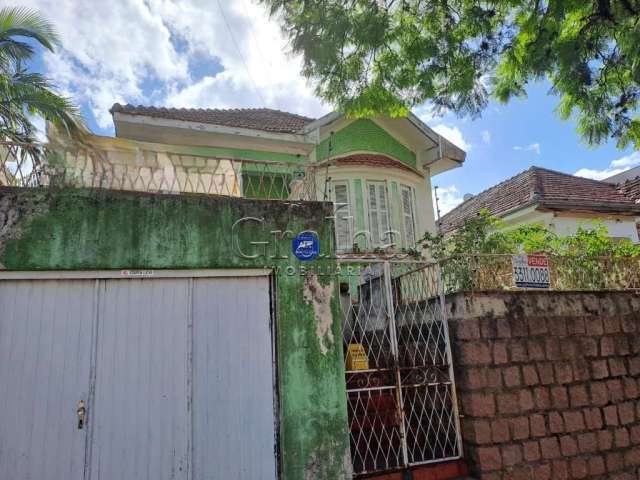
pixel 81 229
pixel 233 153
pixel 275 186
pixel 364 135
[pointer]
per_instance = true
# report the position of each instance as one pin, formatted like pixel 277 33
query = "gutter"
pixel 437 139
pixel 621 208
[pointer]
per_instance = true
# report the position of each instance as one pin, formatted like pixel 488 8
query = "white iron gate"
pixel 400 386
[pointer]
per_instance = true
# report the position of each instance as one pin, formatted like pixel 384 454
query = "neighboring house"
pixel 378 171
pixel 629 183
pixel 556 200
pixel 619 178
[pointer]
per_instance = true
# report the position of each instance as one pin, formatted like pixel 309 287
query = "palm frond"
pixel 26 22
pixel 13 51
pixel 24 94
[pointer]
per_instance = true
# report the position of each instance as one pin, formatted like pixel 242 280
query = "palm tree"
pixel 25 94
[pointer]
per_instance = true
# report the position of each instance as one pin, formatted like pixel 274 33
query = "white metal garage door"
pixel 176 375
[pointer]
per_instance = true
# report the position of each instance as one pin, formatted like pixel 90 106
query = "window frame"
pixel 380 242
pixel 348 219
pixel 412 204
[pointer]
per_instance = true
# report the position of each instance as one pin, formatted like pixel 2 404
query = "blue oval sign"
pixel 306 246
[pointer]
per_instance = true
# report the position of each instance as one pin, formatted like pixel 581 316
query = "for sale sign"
pixel 530 271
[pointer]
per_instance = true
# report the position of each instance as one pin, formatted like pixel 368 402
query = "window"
pixel 342 212
pixel 408 217
pixel 378 214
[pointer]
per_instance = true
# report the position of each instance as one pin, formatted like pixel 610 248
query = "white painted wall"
pixel 617 228
pixel 566 224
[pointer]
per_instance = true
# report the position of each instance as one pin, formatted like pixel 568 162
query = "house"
pixel 622 177
pixel 377 171
pixel 557 200
pixel 163 313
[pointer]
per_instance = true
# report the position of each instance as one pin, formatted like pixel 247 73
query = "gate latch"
pixel 82 411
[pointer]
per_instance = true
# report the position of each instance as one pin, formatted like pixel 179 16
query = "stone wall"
pixel 548 383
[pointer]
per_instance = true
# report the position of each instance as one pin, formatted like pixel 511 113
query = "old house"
pixel 559 201
pixel 172 306
pixel 377 170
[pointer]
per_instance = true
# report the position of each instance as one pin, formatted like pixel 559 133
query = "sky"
pixel 230 54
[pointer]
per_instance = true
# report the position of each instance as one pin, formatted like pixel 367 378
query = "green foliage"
pixel 485 234
pixel 589 259
pixel 385 56
pixel 479 235
pixel 25 94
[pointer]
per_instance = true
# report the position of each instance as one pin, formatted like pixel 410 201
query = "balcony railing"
pixel 152 168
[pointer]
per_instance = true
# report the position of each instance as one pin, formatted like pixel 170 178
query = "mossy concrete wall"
pixel 80 229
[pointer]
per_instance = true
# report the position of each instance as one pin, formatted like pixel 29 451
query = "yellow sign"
pixel 357 357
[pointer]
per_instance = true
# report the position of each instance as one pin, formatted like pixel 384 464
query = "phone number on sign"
pixel 531 276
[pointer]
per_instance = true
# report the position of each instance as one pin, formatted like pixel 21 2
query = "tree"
pixel 25 94
pixel 386 56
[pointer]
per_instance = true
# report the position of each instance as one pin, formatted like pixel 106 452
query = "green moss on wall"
pixel 81 229
pixel 364 135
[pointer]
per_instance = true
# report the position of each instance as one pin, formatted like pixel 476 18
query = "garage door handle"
pixel 82 411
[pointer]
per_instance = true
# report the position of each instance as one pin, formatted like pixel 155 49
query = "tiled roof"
pixel 264 119
pixel 631 188
pixel 543 187
pixel 371 160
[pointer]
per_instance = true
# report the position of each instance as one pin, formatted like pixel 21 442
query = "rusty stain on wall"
pixel 320 297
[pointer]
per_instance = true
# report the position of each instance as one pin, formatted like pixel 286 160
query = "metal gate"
pixel 137 374
pixel 400 387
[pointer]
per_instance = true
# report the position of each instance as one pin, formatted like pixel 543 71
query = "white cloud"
pixel 454 135
pixel 427 113
pixel 627 161
pixel 448 198
pixel 534 147
pixel 40 126
pixel 615 167
pixel 141 52
pixel 486 137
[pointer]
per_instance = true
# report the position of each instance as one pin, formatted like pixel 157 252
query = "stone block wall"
pixel 548 383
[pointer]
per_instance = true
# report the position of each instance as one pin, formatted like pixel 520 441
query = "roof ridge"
pixel 487 190
pixel 542 186
pixel 257 118
pixel 592 180
pixel 116 107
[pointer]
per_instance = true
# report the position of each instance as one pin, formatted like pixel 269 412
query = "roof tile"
pixel 264 119
pixel 544 187
pixel 372 160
